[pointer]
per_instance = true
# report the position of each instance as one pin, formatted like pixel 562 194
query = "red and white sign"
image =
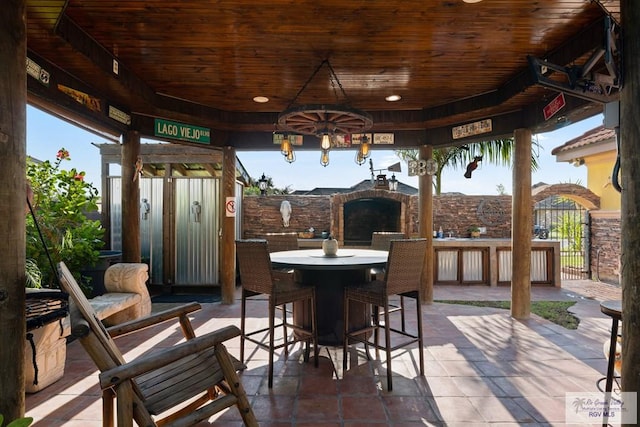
pixel 230 207
pixel 554 106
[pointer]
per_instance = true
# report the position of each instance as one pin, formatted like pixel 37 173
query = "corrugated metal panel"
pixel 472 266
pixel 504 266
pixel 239 191
pixel 151 226
pixel 115 207
pixel 197 225
pixel 447 266
pixel 538 266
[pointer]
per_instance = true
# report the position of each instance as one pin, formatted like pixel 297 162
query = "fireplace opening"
pixel 364 216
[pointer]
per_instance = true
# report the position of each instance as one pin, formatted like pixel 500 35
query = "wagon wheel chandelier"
pixel 324 120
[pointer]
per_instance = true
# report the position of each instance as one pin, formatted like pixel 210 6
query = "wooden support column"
pixel 168 230
pixel 630 182
pixel 13 145
pixel 106 202
pixel 425 186
pixel 131 251
pixel 228 242
pixel 521 226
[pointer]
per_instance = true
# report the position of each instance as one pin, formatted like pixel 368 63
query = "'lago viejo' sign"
pixel 181 131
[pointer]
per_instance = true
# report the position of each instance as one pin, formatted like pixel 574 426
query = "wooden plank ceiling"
pixel 203 61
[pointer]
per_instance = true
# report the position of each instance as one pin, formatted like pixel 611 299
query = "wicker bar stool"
pixel 257 278
pixel 380 241
pixel 402 277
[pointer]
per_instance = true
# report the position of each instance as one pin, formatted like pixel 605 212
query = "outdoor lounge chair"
pixel 185 384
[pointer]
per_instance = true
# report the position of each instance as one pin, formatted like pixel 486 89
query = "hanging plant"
pixel 61 201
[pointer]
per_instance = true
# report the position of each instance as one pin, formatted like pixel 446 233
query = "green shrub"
pixel 61 200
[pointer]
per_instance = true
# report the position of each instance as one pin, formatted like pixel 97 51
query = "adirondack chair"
pixel 185 384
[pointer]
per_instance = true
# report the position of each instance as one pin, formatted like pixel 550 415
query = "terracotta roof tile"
pixel 590 137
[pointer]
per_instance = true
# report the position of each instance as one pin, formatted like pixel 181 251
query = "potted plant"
pixel 61 231
pixel 474 231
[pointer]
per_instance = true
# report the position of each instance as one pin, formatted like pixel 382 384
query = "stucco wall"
pixel 599 172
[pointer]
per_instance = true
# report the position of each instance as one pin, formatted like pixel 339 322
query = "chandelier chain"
pixel 332 77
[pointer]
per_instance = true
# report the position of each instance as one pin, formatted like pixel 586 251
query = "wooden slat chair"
pixel 185 384
pixel 282 241
pixel 258 279
pixel 381 241
pixel 402 277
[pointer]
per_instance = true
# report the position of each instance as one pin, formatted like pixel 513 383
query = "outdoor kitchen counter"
pixel 488 261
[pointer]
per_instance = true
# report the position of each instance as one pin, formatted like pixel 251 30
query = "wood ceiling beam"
pixel 164 153
pixel 149 170
pixel 160 105
pixel 69 31
pixel 179 168
pixel 49 96
pixel 588 39
pixel 211 170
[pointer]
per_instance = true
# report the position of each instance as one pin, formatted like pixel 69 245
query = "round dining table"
pixel 329 274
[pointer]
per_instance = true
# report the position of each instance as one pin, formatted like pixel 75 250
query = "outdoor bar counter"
pixel 488 262
pixel 467 261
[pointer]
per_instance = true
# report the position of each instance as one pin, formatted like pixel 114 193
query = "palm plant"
pixel 498 151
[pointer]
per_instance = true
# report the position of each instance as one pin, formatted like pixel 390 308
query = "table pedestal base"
pixel 329 286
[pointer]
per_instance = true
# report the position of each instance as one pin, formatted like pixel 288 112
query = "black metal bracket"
pixel 584 81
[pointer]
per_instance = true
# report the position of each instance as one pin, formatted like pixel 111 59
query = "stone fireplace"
pixel 355 216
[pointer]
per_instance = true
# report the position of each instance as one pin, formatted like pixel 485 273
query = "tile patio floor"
pixel 482 368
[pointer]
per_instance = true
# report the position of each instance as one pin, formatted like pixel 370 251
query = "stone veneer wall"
pixel 605 246
pixel 454 213
pixel 261 215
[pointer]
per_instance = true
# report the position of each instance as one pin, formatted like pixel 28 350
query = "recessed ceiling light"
pixel 393 98
pixel 260 99
pixel 472 1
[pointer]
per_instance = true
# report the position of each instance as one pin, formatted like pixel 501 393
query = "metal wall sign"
pixel 37 72
pixel 119 115
pixel 554 106
pixel 471 129
pixel 181 131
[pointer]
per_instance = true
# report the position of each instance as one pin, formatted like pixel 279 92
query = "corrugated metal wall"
pixel 447 266
pixel 151 226
pixel 539 266
pixel 197 225
pixel 472 266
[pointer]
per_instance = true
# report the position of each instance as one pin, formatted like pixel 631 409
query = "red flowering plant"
pixel 61 201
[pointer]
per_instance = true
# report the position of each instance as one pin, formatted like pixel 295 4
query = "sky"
pixel 46 134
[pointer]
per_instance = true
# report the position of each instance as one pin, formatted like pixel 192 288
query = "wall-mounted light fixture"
pixel 393 183
pixel 262 185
